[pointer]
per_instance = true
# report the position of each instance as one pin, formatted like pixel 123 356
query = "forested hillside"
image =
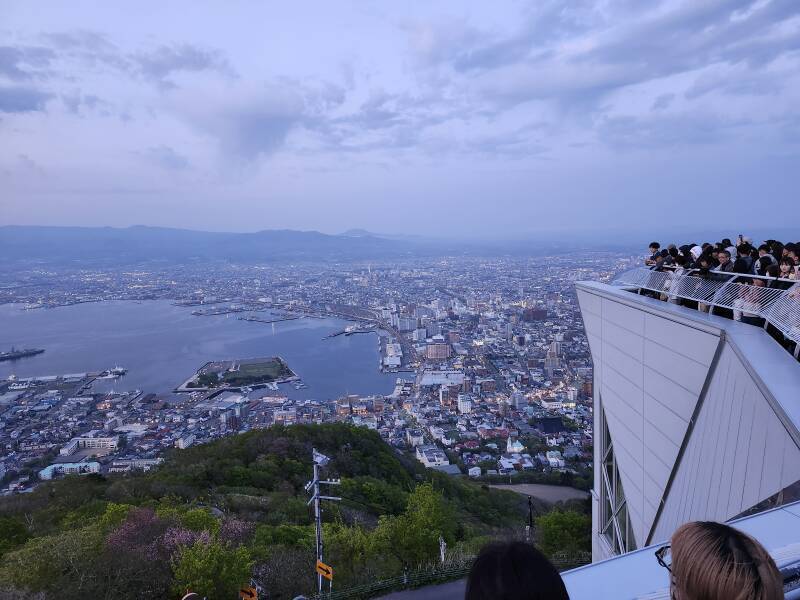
pixel 213 516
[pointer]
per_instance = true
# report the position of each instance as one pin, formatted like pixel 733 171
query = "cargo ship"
pixel 15 354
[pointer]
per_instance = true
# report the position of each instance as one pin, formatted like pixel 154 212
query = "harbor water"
pixel 161 345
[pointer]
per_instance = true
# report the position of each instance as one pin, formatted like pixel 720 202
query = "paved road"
pixel 447 591
pixel 543 491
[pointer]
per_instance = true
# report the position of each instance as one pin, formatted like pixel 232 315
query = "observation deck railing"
pixel 777 306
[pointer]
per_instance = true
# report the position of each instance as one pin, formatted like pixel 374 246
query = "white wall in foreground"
pixel 738 454
pixel 651 370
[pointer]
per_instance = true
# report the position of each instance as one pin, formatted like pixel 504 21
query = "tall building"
pixel 534 314
pixel 551 360
pixel 407 323
pixel 695 418
pixel 437 351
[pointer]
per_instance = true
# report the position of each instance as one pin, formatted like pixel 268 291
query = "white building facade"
pixel 695 418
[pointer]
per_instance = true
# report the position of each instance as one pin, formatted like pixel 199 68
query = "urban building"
pixel 431 456
pixel 82 468
pixel 96 443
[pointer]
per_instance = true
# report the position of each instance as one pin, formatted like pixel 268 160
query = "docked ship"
pixel 112 373
pixel 15 354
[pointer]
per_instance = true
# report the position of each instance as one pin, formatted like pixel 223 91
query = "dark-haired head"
pixel 513 571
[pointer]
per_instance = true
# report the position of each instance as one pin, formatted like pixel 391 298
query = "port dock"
pixel 253 319
pixel 15 354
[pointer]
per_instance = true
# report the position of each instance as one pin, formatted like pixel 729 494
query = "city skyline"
pixel 398 119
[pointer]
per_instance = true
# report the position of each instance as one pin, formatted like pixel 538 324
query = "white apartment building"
pixel 80 443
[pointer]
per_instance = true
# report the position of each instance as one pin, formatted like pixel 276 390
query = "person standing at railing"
pixel 748 305
pixel 672 254
pixel 672 280
pixel 696 252
pixel 765 260
pixel 744 262
pixel 703 272
pixel 725 264
pixel 788 270
pixel 775 249
pixel 654 249
pixel 794 255
pixel 728 245
pixel 774 283
pixel 713 255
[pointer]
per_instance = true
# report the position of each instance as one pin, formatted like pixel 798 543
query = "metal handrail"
pixel 730 274
pixel 778 307
pixel 784 314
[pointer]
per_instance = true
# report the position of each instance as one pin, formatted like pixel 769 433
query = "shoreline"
pixel 149 371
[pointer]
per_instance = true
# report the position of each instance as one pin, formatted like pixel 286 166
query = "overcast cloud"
pixel 446 118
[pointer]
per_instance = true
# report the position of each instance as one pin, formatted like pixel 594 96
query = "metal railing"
pixel 779 307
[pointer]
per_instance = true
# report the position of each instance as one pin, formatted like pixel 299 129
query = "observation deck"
pixel 774 303
pixel 697 416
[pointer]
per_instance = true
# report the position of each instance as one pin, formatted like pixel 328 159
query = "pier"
pixel 351 330
pixel 217 311
pixel 253 319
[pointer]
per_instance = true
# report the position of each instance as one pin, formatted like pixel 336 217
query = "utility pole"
pixel 320 460
pixel 530 518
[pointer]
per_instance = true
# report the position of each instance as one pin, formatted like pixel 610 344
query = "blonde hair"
pixel 712 561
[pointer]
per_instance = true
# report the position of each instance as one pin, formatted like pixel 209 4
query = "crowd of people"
pixel 778 262
pixel 705 561
pixel 764 270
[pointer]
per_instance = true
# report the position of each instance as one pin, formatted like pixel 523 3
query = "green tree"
pixel 283 535
pixel 114 515
pixel 353 551
pixel 564 531
pixel 413 537
pixel 212 570
pixel 13 533
pixel 199 519
pixel 62 563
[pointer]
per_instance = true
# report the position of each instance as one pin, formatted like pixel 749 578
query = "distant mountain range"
pixel 140 243
pixel 131 245
pixel 137 244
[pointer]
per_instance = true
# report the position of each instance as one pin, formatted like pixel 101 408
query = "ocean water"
pixel 161 345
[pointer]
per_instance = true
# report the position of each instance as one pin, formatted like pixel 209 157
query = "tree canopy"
pixel 217 514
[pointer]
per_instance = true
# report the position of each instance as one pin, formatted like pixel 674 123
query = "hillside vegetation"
pixel 215 515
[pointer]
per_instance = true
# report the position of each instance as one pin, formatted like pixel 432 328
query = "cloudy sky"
pixel 446 118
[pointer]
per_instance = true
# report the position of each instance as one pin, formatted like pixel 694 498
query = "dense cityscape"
pixel 399 301
pixel 494 376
